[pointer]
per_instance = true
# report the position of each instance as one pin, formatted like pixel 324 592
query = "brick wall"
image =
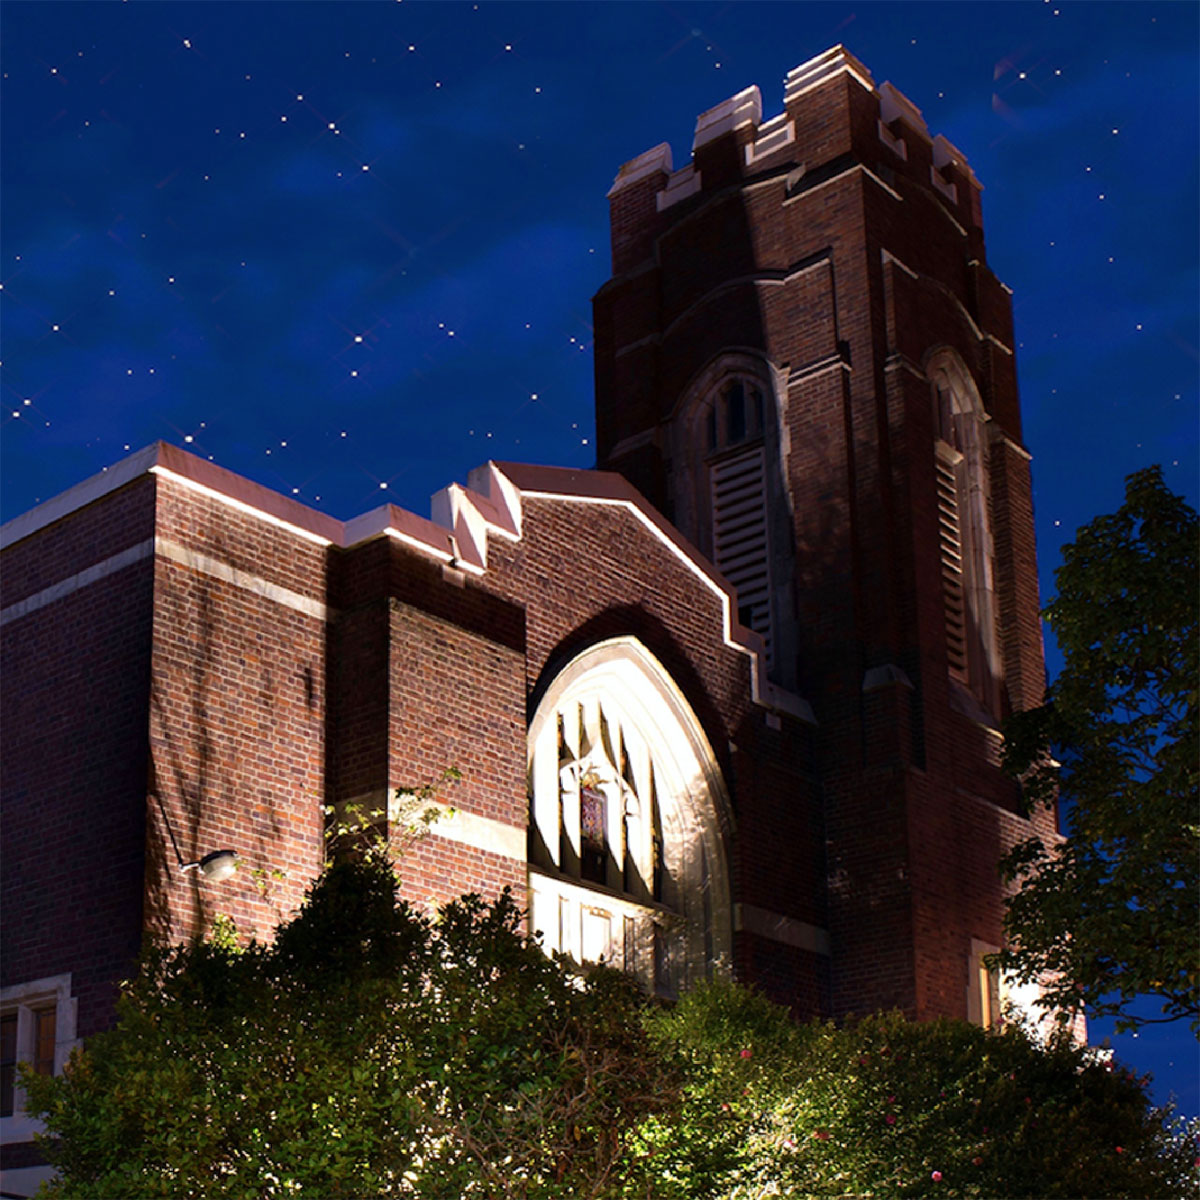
pixel 237 713
pixel 71 896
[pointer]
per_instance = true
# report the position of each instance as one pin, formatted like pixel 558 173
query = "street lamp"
pixel 218 865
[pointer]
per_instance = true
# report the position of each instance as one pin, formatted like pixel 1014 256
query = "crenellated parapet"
pixel 834 115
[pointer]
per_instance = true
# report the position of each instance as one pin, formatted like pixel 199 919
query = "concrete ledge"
pixel 657 158
pixel 743 109
pixel 790 931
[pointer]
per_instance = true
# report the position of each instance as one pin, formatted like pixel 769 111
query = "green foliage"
pixel 369 1051
pixel 352 829
pixel 373 1051
pixel 1113 911
pixel 891 1108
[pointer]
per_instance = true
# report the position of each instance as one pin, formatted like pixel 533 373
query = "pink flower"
pixel 724 1106
pixel 746 1053
pixel 890 1118
pixel 891 1100
pixel 977 1161
pixel 862 1062
pixel 821 1135
pixel 788 1144
pixel 936 1176
pixel 1120 1149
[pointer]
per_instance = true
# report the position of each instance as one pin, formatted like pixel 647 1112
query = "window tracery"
pixel 626 858
pixel 734 414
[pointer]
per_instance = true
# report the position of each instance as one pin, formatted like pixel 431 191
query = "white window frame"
pixel 26 999
pixel 980 987
pixel 695 917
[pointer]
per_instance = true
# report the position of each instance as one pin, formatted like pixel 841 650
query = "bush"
pixel 372 1051
pixel 887 1107
pixel 369 1051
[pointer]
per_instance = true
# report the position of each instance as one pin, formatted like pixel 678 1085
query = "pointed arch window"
pixel 737 478
pixel 626 857
pixel 728 446
pixel 734 414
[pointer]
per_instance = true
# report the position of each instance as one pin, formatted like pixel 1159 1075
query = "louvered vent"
pixel 740 550
pixel 951 547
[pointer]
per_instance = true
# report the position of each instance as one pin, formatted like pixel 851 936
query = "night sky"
pixel 348 250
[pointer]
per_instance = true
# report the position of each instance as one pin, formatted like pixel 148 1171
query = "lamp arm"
pixel 171 833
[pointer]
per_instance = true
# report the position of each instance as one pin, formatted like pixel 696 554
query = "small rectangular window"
pixel 37 1024
pixel 8 1062
pixel 597 936
pixel 985 988
pixel 43 1043
pixel 662 962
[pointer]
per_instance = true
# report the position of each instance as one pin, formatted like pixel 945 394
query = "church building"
pixel 728 704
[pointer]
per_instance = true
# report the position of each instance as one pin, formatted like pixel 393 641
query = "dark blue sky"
pixel 339 246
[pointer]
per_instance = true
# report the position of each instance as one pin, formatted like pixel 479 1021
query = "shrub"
pixel 887 1107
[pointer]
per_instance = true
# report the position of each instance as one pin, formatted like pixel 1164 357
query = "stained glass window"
pixel 593 821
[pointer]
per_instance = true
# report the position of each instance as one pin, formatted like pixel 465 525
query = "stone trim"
pixel 161 547
pixel 778 132
pixel 837 60
pixel 239 505
pixel 738 111
pixel 657 158
pixel 893 104
pixel 216 569
pixel 790 931
pixel 79 496
pixel 81 579
pixel 889 258
pixel 683 183
pixel 762 690
pixel 451 824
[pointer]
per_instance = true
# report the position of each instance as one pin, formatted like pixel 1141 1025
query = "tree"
pixel 368 1051
pixel 1112 911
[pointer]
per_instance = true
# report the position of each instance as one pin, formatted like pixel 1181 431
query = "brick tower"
pixel 804 360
